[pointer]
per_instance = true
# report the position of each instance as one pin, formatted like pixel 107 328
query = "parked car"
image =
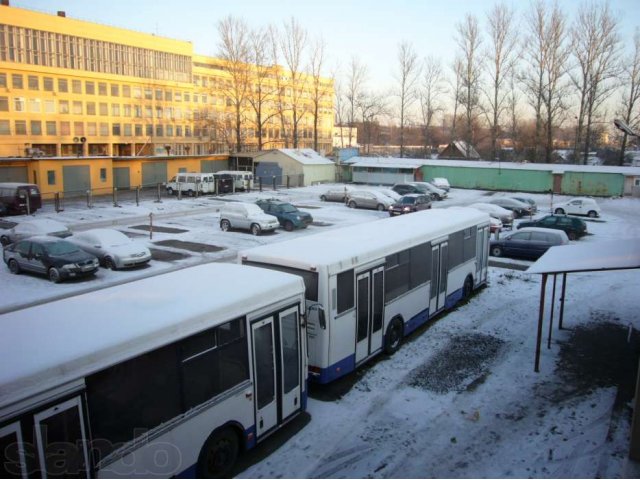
pixel 440 182
pixel 528 200
pixel 436 193
pixel 405 188
pixel 337 194
pixel 368 199
pixel 19 198
pixel 496 224
pixel 31 228
pixel 112 247
pixel 288 216
pixel 246 216
pixel 573 227
pixel 527 242
pixel 578 206
pixel 395 196
pixel 502 214
pixel 56 258
pixel 412 202
pixel 519 209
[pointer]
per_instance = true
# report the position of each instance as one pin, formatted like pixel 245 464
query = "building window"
pixel 167 95
pixel 78 128
pixel 34 82
pixel 49 106
pixel 16 80
pixel 47 84
pixel 77 108
pixel 148 111
pixel 35 105
pixel 76 86
pixel 4 104
pixel 21 127
pixel 92 129
pixel 91 108
pixel 126 91
pixel 115 109
pixel 126 111
pixel 63 85
pixel 137 92
pixel 19 104
pixel 137 111
pixel 104 109
pixel 159 95
pixel 102 88
pixel 3 80
pixel 36 127
pixel 51 177
pixel 149 130
pixel 4 127
pixel 115 90
pixel 187 97
pixel 51 128
pixel 63 106
pixel 159 131
pixel 65 128
pixel 115 129
pixel 103 174
pixel 148 94
pixel 169 130
pixel 104 129
pixel 127 129
pixel 137 130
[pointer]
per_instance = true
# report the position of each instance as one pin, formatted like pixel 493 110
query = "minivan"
pixel 19 198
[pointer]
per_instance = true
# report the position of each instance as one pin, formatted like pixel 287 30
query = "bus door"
pixel 439 273
pixel 277 368
pixel 60 437
pixel 482 252
pixel 370 312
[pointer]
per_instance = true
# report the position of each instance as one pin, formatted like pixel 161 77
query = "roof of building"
pixel 306 156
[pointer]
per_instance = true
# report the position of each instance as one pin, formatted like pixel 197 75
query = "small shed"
pixel 461 150
pixel 295 167
pixel 384 171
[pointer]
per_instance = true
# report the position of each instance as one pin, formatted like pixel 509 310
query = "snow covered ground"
pixel 460 398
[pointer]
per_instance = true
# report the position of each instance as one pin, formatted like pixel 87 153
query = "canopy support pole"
pixel 553 307
pixel 564 289
pixel 536 367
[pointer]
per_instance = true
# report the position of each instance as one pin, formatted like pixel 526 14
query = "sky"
pixel 458 399
pixel 367 30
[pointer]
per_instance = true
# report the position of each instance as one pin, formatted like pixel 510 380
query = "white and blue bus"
pixel 369 285
pixel 171 375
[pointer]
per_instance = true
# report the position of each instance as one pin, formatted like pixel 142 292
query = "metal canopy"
pixel 588 257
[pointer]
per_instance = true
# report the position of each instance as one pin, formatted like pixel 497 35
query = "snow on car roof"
pixel 60 341
pixel 609 255
pixel 341 248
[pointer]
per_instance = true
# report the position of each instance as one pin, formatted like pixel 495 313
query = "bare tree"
pixel 595 45
pixel 370 106
pixel 469 43
pixel 234 50
pixel 430 92
pixel 339 107
pixel 513 114
pixel 320 87
pixel 456 91
pixel 629 110
pixel 355 82
pixel 500 63
pixel 409 71
pixel 293 45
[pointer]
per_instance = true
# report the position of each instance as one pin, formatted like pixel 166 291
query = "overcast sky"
pixel 367 29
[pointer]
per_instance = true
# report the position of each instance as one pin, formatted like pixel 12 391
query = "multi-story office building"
pixel 89 106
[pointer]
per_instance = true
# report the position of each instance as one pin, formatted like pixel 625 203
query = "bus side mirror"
pixel 322 319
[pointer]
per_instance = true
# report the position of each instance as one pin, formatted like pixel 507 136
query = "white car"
pixel 436 193
pixel 246 216
pixel 337 194
pixel 441 183
pixel 32 228
pixel 395 196
pixel 502 214
pixel 369 199
pixel 578 206
pixel 112 247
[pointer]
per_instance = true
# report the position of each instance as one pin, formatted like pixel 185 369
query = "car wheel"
pixel 288 226
pixel 225 225
pixel 110 263
pixel 381 208
pixel 467 289
pixel 393 338
pixel 4 240
pixel 255 229
pixel 592 214
pixel 54 275
pixel 352 204
pixel 190 193
pixel 218 455
pixel 559 211
pixel 572 235
pixel 170 191
pixel 496 251
pixel 323 198
pixel 13 266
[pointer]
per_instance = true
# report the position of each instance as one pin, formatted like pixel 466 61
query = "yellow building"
pixel 88 106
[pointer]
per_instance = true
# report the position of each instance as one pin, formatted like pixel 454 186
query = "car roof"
pixel 540 229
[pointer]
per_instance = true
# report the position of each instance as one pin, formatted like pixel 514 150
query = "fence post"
pixel 151 226
pixel 115 197
pixel 28 205
pixel 89 204
pixel 274 183
pixel 56 202
pixel 158 194
pixel 179 191
pixel 138 196
pixel 288 182
pixel 260 182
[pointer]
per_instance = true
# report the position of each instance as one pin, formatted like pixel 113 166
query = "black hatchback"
pixel 57 259
pixel 573 227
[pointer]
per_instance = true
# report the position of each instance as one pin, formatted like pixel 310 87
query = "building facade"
pixel 71 90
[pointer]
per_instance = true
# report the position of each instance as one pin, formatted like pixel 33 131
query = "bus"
pixel 172 375
pixel 369 285
pixel 242 179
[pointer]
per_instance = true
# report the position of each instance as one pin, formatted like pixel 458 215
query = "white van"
pixel 191 184
pixel 578 206
pixel 246 216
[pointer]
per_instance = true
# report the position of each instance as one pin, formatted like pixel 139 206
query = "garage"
pixel 14 174
pixel 122 177
pixel 76 178
pixel 153 173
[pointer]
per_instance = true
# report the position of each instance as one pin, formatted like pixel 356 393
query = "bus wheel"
pixel 467 288
pixel 394 336
pixel 218 455
pixel 170 191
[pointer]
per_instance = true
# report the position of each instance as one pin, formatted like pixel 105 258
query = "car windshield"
pixel 408 200
pixel 61 248
pixel 288 208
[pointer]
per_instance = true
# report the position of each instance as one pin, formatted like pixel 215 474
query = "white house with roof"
pixel 294 167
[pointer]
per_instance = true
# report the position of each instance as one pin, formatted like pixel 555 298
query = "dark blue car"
pixel 529 242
